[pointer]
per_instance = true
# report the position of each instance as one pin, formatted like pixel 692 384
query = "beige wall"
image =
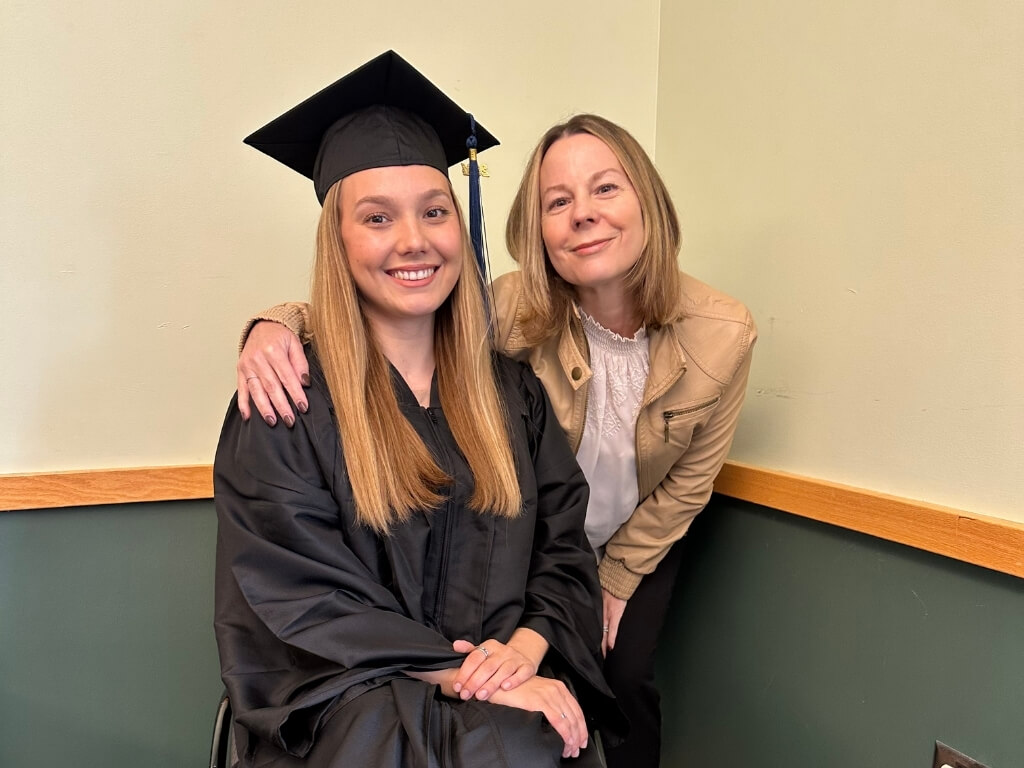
pixel 138 232
pixel 855 173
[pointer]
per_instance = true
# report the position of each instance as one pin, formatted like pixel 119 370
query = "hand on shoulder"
pixel 271 368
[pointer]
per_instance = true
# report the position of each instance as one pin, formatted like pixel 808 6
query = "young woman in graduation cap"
pixel 403 577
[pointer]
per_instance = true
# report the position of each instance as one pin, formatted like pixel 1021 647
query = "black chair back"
pixel 222 749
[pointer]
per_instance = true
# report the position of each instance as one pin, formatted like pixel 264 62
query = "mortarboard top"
pixel 383 113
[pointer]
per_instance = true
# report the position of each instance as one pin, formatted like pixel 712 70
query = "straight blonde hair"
pixel 654 278
pixel 391 470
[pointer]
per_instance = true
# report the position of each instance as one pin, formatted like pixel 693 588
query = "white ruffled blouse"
pixel 607 452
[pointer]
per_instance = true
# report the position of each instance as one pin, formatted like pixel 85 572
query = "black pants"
pixel 629 667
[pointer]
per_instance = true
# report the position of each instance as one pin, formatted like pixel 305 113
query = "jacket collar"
pixel 573 350
pixel 668 361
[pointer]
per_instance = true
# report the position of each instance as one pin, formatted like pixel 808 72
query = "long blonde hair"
pixel 391 471
pixel 654 278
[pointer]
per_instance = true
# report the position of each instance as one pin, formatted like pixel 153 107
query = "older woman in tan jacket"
pixel 646 368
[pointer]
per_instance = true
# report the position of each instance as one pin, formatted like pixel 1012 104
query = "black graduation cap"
pixel 383 113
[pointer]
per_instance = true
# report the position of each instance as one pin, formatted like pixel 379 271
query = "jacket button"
pixel 577 373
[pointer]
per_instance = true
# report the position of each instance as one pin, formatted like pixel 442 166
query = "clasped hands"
pixel 506 674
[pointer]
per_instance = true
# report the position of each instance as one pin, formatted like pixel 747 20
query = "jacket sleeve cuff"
pixel 292 316
pixel 617 578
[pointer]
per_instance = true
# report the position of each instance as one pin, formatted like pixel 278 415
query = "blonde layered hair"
pixel 653 279
pixel 391 471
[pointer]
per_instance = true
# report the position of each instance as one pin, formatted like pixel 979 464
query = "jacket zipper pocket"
pixel 669 415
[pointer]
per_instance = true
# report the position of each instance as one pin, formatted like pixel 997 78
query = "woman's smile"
pixel 591 246
pixel 412 274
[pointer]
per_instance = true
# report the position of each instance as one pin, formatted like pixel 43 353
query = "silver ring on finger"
pixel 563 715
pixel 482 650
pixel 250 378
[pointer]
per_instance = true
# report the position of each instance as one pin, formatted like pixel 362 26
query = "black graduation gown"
pixel 317 616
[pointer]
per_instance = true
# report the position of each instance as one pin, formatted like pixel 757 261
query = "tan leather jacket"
pixel 698 377
pixel 697 381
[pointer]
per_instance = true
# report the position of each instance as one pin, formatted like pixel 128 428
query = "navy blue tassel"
pixel 476 219
pixel 475 211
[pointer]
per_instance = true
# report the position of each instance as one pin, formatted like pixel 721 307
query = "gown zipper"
pixel 439 600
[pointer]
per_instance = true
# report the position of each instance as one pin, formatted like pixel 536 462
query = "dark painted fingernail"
pixel 271 419
pixel 303 405
pixel 305 379
pixel 289 420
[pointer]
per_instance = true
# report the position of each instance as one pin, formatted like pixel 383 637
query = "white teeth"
pixel 418 274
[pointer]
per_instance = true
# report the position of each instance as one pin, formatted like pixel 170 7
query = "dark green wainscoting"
pixel 107 657
pixel 793 643
pixel 790 643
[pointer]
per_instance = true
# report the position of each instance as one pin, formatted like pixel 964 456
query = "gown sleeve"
pixel 563 600
pixel 302 613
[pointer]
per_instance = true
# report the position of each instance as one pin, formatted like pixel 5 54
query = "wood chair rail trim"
pixel 990 542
